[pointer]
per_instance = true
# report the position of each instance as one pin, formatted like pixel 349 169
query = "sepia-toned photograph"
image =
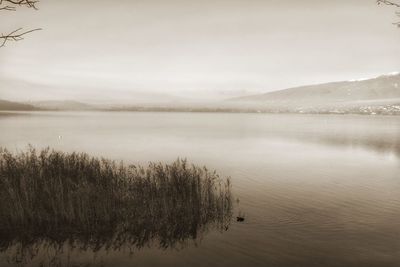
pixel 213 133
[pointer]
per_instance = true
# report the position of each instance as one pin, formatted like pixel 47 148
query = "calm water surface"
pixel 317 190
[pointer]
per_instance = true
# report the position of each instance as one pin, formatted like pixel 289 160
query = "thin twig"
pixel 27 3
pixel 389 3
pixel 8 8
pixel 16 35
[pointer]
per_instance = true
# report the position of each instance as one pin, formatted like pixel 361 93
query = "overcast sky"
pixel 125 49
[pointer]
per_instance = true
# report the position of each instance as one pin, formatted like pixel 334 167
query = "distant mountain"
pixel 15 106
pixel 61 105
pixel 380 95
pixel 382 88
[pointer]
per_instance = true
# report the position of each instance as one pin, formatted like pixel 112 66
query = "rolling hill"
pixel 382 88
pixel 15 106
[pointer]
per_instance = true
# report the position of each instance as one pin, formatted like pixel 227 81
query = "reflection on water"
pixel 378 133
pixel 317 190
pixel 381 135
pixel 54 201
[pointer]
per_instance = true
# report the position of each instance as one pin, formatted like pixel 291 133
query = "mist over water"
pixel 316 190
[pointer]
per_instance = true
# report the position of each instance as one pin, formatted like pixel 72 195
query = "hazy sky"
pixel 129 49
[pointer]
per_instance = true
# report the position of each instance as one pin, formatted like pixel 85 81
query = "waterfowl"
pixel 239 219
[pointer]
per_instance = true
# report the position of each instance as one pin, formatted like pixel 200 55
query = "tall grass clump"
pixel 58 197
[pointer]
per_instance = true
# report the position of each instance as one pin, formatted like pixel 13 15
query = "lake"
pixel 316 190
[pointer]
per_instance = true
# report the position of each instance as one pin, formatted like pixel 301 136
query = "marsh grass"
pixel 60 197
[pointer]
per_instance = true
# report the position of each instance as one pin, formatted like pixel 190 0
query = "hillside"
pixel 384 87
pixel 9 105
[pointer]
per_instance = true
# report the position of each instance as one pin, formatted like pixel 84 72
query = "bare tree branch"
pixel 27 3
pixel 8 8
pixel 391 3
pixel 16 35
pixel 397 23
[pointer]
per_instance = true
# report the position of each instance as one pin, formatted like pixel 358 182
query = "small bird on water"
pixel 239 219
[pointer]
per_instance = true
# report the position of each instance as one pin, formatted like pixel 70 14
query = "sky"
pixel 168 50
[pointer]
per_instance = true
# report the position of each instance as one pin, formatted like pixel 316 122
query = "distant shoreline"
pixel 355 111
